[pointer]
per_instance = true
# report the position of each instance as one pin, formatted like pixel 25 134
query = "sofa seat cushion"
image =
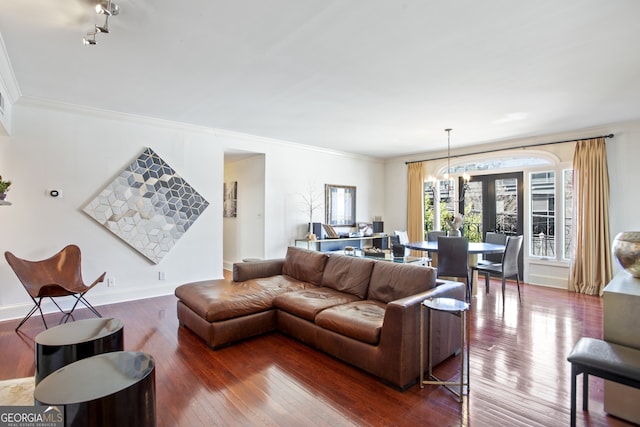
pixel 348 274
pixel 309 302
pixel 360 320
pixel 216 300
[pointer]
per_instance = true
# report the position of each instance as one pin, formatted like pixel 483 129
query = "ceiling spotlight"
pixel 89 39
pixel 103 29
pixel 107 8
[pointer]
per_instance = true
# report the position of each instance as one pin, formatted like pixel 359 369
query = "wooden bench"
pixel 605 360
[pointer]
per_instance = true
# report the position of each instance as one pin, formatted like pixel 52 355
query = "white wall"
pixel 80 151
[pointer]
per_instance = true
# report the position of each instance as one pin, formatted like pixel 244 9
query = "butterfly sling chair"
pixel 58 276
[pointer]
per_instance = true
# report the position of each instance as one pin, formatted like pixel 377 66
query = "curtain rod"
pixel 511 148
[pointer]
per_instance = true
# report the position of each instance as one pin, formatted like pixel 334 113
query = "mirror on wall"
pixel 340 205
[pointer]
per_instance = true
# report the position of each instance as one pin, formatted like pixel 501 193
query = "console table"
pixel 324 245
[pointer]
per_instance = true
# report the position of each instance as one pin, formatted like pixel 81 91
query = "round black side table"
pixel 73 341
pixel 110 389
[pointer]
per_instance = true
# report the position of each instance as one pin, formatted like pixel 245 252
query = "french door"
pixel 494 203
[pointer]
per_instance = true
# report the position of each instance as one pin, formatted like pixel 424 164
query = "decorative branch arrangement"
pixel 312 201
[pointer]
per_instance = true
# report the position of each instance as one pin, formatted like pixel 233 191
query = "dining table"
pixel 475 249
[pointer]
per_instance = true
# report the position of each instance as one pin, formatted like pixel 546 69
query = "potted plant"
pixel 4 187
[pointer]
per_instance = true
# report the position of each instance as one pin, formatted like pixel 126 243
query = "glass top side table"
pixel 457 308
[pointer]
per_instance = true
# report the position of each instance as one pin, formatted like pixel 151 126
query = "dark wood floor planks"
pixel 519 373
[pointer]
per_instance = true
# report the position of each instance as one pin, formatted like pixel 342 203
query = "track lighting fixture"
pixel 108 9
pixel 102 29
pixel 89 39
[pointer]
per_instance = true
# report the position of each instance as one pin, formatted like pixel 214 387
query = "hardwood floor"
pixel 519 372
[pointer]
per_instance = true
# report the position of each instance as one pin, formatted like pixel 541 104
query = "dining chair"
pixel 507 268
pixel 453 259
pixel 54 277
pixel 497 238
pixel 403 239
pixel 432 236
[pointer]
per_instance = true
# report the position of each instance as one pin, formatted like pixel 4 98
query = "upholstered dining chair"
pixel 507 268
pixel 497 238
pixel 453 259
pixel 54 277
pixel 403 239
pixel 432 236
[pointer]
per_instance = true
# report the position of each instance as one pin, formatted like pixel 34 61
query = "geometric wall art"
pixel 148 205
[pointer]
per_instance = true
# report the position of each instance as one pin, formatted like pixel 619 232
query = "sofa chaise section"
pixel 222 311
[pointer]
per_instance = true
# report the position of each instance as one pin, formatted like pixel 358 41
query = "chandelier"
pixel 441 188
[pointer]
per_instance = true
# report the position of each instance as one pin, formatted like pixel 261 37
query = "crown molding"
pixel 186 127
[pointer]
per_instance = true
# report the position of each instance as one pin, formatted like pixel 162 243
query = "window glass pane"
pixel 567 184
pixel 444 198
pixel 428 209
pixel 507 206
pixel 473 211
pixel 499 163
pixel 543 214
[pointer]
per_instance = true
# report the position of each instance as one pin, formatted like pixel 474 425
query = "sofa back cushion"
pixel 304 265
pixel 391 281
pixel 348 274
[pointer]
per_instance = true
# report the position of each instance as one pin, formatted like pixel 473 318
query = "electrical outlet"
pixel 161 275
pixel 111 282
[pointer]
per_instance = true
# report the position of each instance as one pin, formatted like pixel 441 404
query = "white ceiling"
pixel 376 77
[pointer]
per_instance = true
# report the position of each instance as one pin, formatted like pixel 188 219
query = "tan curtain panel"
pixel 591 267
pixel 415 203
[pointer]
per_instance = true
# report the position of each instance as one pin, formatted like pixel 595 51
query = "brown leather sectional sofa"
pixel 361 311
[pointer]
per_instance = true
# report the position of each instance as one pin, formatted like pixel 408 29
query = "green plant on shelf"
pixel 4 185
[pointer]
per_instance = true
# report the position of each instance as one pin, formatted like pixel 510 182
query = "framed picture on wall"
pixel 340 205
pixel 230 202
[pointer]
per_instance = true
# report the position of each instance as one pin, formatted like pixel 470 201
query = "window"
pixel 543 214
pixel 438 202
pixel 567 185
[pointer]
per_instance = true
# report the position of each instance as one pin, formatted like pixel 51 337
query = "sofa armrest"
pixel 400 336
pixel 444 289
pixel 256 269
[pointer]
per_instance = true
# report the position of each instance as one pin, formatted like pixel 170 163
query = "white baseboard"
pixel 18 311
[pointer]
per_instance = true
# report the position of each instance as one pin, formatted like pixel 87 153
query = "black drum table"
pixel 70 342
pixel 110 389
